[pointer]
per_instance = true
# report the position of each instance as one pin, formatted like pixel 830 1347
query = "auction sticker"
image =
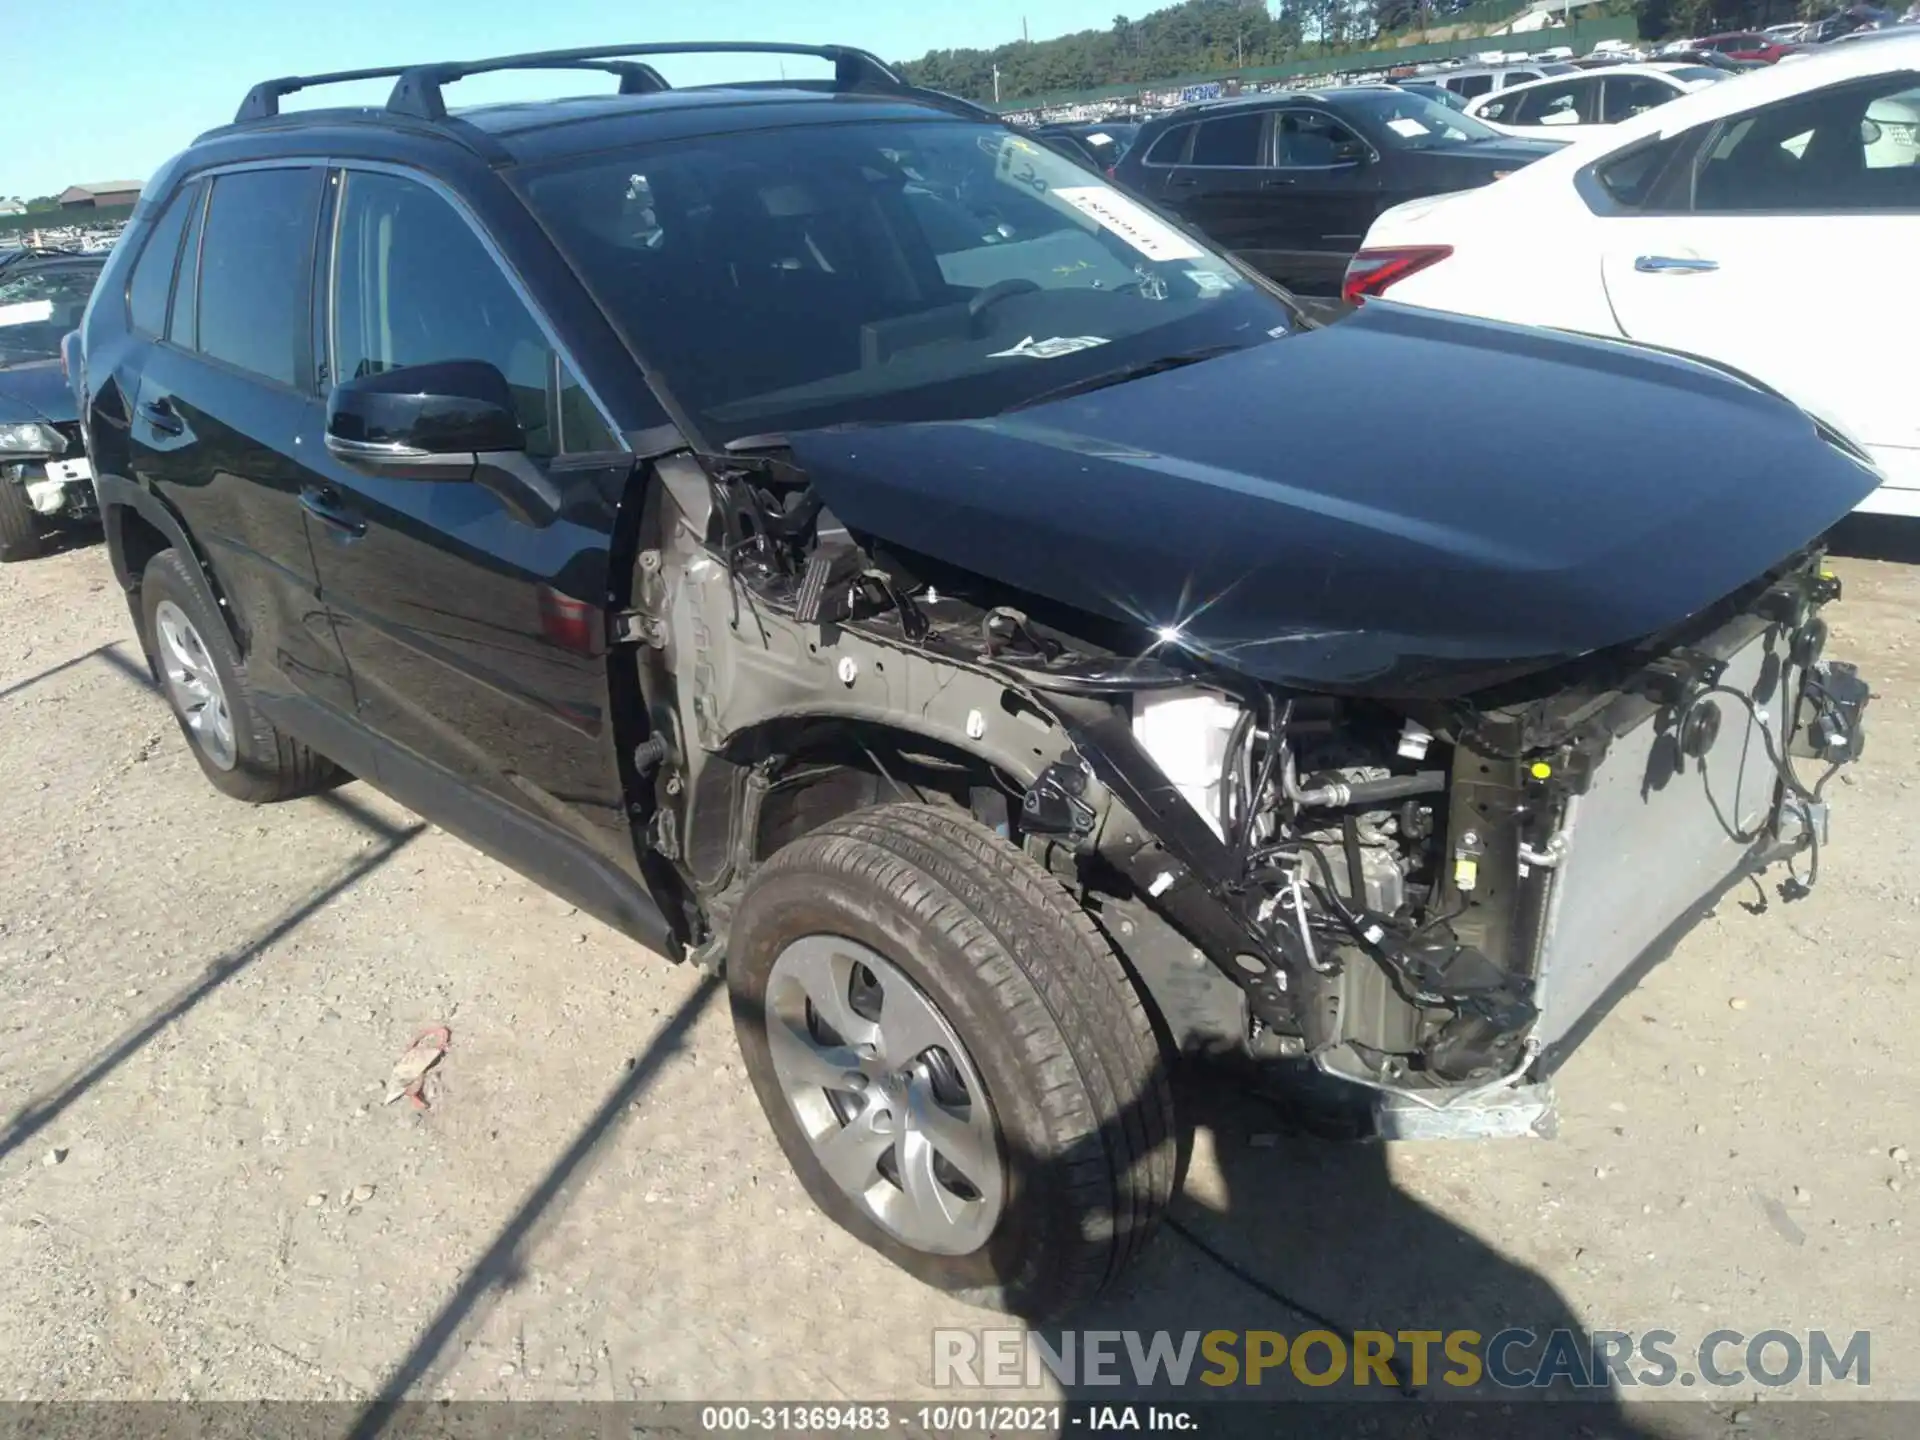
pixel 1131 221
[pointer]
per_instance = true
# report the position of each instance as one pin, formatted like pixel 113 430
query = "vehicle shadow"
pixel 1279 1229
pixel 500 1266
pixel 1271 1230
pixel 47 1106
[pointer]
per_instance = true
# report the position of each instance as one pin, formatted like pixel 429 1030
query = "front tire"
pixel 204 677
pixel 19 524
pixel 956 1064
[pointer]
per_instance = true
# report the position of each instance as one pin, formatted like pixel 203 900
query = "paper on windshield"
pixel 27 312
pixel 1412 129
pixel 1131 221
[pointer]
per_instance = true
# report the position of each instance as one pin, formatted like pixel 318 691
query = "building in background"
pixel 107 195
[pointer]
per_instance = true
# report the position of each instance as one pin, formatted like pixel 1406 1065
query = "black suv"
pixel 832 537
pixel 44 474
pixel 1291 182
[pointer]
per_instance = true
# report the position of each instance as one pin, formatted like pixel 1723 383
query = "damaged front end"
pixel 1421 837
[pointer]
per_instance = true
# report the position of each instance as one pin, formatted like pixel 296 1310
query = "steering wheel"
pixel 995 293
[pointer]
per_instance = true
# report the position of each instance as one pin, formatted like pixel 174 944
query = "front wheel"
pixel 954 1061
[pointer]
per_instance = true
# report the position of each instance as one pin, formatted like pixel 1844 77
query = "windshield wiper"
pixel 1139 370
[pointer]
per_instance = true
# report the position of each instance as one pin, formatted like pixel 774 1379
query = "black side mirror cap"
pixel 420 412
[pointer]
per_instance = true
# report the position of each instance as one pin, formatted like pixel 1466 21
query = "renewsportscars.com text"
pixel 1513 1359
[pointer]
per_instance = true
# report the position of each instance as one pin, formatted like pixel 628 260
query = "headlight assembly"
pixel 31 438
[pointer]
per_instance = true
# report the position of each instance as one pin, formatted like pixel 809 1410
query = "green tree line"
pixel 1201 37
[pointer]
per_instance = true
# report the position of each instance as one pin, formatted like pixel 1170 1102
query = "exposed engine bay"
pixel 1432 897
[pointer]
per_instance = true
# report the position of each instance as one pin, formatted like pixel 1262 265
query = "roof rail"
pixel 417 91
pixel 263 100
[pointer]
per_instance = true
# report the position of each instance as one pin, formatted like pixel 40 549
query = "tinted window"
pixel 1230 140
pixel 1849 147
pixel 183 327
pixel 153 275
pixel 1630 178
pixel 880 271
pixel 255 257
pixel 1520 77
pixel 1167 149
pixel 1471 85
pixel 1310 138
pixel 412 283
pixel 1624 96
pixel 1569 102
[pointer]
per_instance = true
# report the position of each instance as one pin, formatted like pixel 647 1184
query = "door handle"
pixel 1674 264
pixel 159 414
pixel 1183 182
pixel 324 504
pixel 1278 182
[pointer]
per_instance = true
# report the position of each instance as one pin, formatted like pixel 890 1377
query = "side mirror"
pixel 447 410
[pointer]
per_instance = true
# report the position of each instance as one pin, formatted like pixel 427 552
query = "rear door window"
pixel 1468 86
pixel 1568 102
pixel 1170 147
pixel 1850 147
pixel 153 273
pixel 1624 96
pixel 1230 140
pixel 255 259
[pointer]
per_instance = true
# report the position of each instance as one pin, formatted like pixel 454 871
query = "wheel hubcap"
pixel 194 685
pixel 887 1095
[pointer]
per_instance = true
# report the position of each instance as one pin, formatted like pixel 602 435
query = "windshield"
pixel 1694 74
pixel 779 280
pixel 37 309
pixel 1407 121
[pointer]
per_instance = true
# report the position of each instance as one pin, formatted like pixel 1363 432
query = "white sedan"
pixel 1566 106
pixel 1771 224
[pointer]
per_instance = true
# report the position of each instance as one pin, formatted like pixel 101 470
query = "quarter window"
pixel 153 273
pixel 412 284
pixel 255 256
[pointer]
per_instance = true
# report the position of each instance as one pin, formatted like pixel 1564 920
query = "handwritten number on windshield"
pixel 1026 177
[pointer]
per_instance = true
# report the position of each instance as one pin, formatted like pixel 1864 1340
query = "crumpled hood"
pixel 36 390
pixel 1405 503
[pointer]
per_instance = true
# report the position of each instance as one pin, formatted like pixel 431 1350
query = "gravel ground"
pixel 202 1193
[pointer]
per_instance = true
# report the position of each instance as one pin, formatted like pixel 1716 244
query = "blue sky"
pixel 127 83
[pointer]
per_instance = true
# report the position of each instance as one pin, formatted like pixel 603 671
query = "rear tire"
pixel 204 678
pixel 1081 1153
pixel 19 524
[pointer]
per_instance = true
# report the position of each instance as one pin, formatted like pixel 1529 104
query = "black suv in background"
pixel 833 537
pixel 1291 183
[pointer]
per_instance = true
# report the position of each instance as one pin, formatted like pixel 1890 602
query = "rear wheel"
pixel 204 677
pixel 954 1061
pixel 19 523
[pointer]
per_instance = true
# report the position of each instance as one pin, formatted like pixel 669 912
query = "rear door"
pixel 222 392
pixel 1221 187
pixel 472 608
pixel 1777 199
